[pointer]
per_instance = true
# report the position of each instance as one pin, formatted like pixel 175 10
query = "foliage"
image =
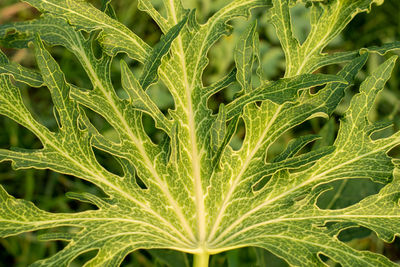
pixel 191 191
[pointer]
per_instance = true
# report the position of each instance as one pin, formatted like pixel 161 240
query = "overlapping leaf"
pixel 327 18
pixel 198 194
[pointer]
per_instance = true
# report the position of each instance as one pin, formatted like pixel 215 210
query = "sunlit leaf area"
pixel 221 133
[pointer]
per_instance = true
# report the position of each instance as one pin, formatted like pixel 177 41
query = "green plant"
pixel 192 192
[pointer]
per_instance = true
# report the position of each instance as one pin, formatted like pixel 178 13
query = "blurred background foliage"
pixel 47 189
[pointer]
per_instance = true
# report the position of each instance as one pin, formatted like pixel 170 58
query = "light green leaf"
pixel 192 192
pixel 218 129
pixel 146 6
pixel 244 57
pixel 294 146
pixel 327 18
pixel 280 91
pixel 149 75
pixel 140 100
pixel 20 73
pixel 86 17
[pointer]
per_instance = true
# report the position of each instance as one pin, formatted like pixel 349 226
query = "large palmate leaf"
pixel 193 192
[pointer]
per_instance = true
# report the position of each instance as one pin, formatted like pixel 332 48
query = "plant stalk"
pixel 201 260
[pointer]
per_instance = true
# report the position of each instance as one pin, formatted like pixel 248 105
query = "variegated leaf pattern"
pixel 200 196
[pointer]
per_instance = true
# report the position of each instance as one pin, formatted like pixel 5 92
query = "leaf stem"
pixel 201 260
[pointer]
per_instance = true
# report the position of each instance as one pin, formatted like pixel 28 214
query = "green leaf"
pixel 149 75
pixel 244 57
pixel 280 91
pixel 140 100
pixel 218 129
pixel 192 192
pixel 146 6
pixel 20 73
pixel 86 17
pixel 350 159
pixel 327 18
pixel 294 146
